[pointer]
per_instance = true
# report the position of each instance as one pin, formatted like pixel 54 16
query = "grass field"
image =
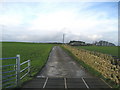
pixel 37 53
pixel 112 50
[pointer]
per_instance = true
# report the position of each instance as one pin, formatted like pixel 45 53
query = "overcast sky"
pixel 48 21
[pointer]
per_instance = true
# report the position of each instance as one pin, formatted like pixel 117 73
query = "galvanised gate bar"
pixel 14 79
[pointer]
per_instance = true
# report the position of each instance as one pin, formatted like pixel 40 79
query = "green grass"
pixel 37 53
pixel 112 50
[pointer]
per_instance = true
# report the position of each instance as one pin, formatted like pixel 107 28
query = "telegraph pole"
pixel 63 38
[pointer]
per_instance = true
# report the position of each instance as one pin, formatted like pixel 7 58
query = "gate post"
pixel 29 73
pixel 18 71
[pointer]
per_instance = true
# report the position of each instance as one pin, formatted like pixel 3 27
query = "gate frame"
pixel 17 70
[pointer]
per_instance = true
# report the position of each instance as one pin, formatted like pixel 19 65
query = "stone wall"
pixel 98 61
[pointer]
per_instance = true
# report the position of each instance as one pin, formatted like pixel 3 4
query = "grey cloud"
pixel 54 37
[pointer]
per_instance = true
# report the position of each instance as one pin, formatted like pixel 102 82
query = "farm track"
pixel 61 65
pixel 61 71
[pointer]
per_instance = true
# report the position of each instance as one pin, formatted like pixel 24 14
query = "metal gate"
pixel 12 74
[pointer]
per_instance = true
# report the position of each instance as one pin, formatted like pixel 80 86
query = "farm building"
pixel 78 43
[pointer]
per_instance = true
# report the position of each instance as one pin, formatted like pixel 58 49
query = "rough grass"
pixel 37 53
pixel 112 50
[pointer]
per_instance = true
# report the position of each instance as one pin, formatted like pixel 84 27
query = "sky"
pixel 48 21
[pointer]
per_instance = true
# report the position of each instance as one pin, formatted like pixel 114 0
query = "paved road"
pixel 61 71
pixel 61 65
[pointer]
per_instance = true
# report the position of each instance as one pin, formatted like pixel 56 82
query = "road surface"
pixel 60 64
pixel 61 71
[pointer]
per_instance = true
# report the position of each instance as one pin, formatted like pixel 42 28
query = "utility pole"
pixel 63 38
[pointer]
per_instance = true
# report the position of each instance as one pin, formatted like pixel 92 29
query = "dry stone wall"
pixel 98 61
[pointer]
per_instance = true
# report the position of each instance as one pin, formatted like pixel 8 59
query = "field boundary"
pixel 6 83
pixel 85 66
pixel 90 69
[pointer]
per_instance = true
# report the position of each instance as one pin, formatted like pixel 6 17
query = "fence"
pixel 7 80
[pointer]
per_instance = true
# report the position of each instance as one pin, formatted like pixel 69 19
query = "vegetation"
pixel 37 53
pixel 92 70
pixel 87 67
pixel 111 50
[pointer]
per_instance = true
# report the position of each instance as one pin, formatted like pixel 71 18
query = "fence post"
pixel 29 68
pixel 18 71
